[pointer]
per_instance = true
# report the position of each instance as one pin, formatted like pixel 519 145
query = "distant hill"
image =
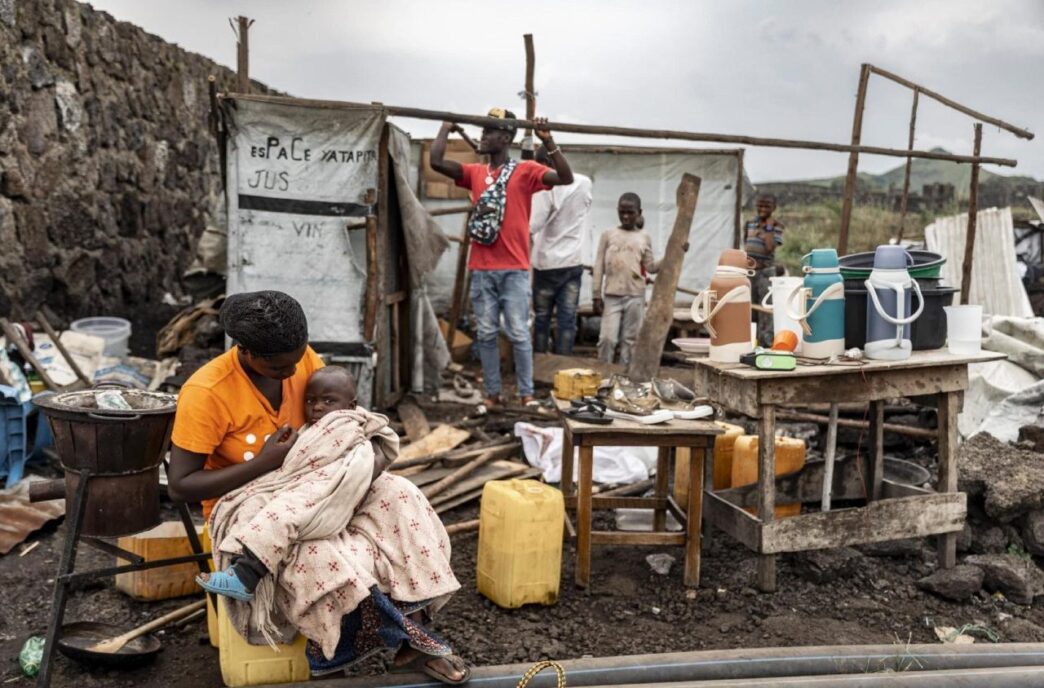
pixel 926 172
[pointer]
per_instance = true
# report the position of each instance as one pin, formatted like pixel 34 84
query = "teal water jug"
pixel 819 305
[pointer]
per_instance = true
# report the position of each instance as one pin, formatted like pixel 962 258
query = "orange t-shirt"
pixel 221 414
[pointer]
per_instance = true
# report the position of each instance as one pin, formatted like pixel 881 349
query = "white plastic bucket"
pixel 776 299
pixel 115 331
pixel 964 329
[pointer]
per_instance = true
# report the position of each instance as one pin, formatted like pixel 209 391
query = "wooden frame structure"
pixel 892 511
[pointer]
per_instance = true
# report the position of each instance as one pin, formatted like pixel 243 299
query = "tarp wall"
pixel 995 282
pixel 652 175
pixel 295 174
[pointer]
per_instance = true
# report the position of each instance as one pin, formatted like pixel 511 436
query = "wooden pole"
pixel 973 220
pixel 373 289
pixel 46 325
pixel 632 132
pixel 909 164
pixel 243 54
pixel 645 359
pixel 457 304
pixel 527 142
pixel 907 430
pixel 1021 133
pixel 463 527
pixel 740 239
pixel 853 161
pixel 454 477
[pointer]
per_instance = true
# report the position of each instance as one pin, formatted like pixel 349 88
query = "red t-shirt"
pixel 511 250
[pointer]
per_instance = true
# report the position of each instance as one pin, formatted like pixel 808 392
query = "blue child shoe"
pixel 225 583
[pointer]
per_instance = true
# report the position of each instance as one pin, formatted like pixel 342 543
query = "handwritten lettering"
pixel 307 230
pixel 270 180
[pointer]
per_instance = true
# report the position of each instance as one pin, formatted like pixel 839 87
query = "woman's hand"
pixel 277 447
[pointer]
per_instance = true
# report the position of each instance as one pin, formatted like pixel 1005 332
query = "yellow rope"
pixel 540 666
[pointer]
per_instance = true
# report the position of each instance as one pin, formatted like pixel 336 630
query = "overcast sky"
pixel 777 69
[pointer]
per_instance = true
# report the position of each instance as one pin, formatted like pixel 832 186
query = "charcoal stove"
pixel 111 459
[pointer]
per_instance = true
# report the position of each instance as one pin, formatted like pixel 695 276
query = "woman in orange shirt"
pixel 237 419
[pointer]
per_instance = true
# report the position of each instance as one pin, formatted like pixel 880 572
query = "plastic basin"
pixel 115 331
pixel 927 332
pixel 859 265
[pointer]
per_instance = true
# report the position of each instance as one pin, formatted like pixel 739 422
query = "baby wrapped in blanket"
pixel 307 543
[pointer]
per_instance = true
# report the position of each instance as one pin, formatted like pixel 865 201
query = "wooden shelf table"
pixel 892 511
pixel 693 435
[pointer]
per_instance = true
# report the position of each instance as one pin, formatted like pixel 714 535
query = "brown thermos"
pixel 724 307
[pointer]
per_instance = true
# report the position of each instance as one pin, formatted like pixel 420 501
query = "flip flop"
pixel 225 583
pixel 420 663
pixel 589 413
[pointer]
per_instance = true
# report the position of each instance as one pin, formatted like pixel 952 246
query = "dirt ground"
pixel 629 609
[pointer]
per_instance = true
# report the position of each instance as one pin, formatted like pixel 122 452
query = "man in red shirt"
pixel 500 271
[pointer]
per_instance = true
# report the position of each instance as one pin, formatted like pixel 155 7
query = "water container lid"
pixel 890 257
pixel 734 257
pixel 821 258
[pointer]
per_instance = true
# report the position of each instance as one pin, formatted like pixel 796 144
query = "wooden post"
pixel 457 304
pixel 740 239
pixel 973 219
pixel 243 54
pixel 583 517
pixel 767 491
pixel 853 161
pixel 694 511
pixel 663 466
pixel 876 449
pixel 373 289
pixel 909 163
pixel 528 148
pixel 949 407
pixel 645 360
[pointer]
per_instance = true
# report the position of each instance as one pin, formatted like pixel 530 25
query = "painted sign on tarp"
pixel 297 175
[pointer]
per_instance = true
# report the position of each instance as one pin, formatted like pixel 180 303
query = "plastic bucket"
pixel 115 331
pixel 964 329
pixel 927 332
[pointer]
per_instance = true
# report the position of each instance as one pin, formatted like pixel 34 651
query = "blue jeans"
pixel 557 289
pixel 495 293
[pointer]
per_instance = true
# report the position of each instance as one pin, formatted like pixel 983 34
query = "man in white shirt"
pixel 560 227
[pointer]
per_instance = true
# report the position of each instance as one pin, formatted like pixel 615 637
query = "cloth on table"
pixel 542 447
pixel 328 536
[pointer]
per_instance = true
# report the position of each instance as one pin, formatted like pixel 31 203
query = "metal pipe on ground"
pixel 1008 677
pixel 757 663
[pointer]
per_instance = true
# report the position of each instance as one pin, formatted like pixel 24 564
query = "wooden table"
pixel 693 435
pixel 893 511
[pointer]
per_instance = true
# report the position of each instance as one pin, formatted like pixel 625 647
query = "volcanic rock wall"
pixel 108 170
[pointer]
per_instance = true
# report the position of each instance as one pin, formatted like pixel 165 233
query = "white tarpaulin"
pixel 995 279
pixel 296 174
pixel 652 174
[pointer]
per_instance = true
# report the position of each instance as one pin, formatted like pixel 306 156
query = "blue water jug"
pixel 819 306
pixel 889 307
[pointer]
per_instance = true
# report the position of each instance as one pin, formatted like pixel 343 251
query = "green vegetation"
pixel 816 226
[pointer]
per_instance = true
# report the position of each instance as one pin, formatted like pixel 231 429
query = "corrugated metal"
pixel 995 280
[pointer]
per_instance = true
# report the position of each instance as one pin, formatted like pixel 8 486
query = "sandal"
pixel 588 413
pixel 420 663
pixel 225 583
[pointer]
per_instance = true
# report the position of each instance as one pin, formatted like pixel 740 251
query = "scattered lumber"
pixel 414 422
pixel 443 438
pixel 458 474
pixel 471 526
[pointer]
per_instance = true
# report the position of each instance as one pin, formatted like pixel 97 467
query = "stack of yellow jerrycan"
pixel 722 463
pixel 243 664
pixel 520 542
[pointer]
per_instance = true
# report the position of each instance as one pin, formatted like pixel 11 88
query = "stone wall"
pixel 108 170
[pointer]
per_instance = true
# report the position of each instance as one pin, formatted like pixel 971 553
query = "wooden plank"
pixel 767 492
pixel 949 407
pixel 413 420
pixel 868 385
pixel 880 521
pixel 457 456
pixel 427 476
pixel 603 502
pixel 612 537
pixel 463 527
pixel 458 474
pixel 732 520
pixel 918 359
pixel 909 431
pixel 497 470
pixel 645 360
pixel 629 433
pixel 442 438
pixel 471 496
